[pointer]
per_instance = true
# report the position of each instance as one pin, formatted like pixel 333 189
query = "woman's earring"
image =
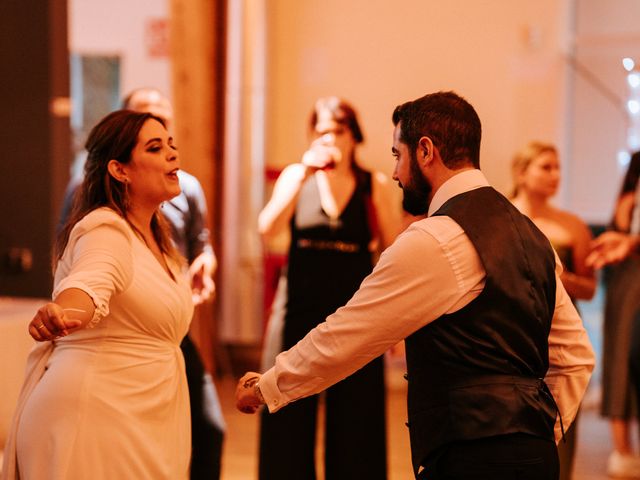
pixel 125 201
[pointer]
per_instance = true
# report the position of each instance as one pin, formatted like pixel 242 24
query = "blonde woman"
pixel 536 176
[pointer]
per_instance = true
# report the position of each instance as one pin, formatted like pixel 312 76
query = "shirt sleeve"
pixel 97 260
pixel 413 284
pixel 197 233
pixel 571 357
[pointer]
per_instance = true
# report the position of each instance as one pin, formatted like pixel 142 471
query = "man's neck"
pixel 448 185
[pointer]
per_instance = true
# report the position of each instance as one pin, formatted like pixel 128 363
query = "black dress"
pixel 328 259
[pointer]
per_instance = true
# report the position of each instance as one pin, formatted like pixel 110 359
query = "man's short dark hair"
pixel 448 120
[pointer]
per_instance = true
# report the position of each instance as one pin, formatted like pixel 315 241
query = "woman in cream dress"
pixel 105 396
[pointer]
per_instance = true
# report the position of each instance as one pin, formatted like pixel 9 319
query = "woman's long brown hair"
pixel 113 138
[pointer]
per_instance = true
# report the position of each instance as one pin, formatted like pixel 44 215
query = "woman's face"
pixel 328 132
pixel 542 175
pixel 152 171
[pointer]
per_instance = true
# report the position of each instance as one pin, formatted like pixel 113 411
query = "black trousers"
pixel 567 450
pixel 355 433
pixel 206 432
pixel 634 356
pixel 516 456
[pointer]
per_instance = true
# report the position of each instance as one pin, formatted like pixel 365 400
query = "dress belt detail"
pixel 335 245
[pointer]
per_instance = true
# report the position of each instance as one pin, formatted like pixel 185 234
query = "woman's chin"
pixel 172 193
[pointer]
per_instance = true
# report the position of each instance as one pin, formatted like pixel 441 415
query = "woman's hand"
pixel 321 156
pixel 51 321
pixel 612 247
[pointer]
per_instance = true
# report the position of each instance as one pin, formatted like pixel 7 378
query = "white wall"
pixel 605 33
pixel 510 59
pixel 117 27
pixel 505 57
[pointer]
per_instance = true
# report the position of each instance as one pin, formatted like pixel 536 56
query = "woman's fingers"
pixel 70 322
pixel 35 333
pixel 57 324
pixel 50 322
pixel 54 320
pixel 321 157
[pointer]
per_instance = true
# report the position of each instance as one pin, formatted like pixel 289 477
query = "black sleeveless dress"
pixel 328 259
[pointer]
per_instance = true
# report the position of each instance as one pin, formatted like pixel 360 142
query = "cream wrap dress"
pixel 109 401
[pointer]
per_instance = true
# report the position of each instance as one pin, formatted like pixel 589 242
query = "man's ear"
pixel 425 151
pixel 117 170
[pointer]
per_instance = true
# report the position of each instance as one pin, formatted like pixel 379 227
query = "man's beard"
pixel 415 198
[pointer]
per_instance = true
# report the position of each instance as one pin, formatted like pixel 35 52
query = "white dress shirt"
pixel 430 270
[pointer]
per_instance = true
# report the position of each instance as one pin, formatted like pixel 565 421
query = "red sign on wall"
pixel 156 37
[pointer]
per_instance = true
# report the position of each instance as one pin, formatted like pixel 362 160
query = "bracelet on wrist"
pixel 252 382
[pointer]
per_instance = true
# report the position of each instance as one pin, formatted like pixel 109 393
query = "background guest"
pixel 337 213
pixel 536 176
pixel 622 301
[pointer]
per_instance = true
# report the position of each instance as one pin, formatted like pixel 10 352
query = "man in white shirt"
pixel 491 336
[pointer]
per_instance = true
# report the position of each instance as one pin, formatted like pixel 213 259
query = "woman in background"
pixel 336 212
pixel 536 176
pixel 622 301
pixel 105 395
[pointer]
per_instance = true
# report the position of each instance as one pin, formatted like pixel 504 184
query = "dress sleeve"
pixel 198 236
pixel 97 260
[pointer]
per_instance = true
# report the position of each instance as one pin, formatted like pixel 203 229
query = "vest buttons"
pixel 406 376
pixel 406 424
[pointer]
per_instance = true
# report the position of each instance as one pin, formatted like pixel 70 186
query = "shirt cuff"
pixel 273 399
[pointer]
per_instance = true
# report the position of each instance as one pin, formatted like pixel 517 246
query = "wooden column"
pixel 34 126
pixel 197 57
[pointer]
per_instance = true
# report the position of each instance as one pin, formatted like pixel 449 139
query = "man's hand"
pixel 248 399
pixel 611 247
pixel 201 273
